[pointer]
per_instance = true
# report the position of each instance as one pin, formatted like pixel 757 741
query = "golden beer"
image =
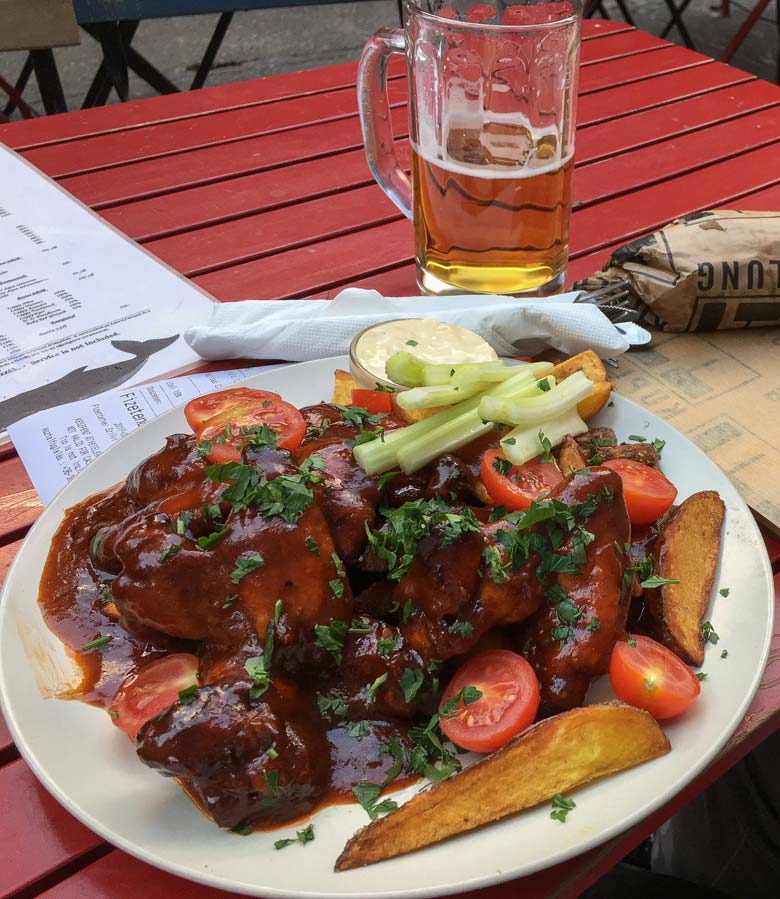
pixel 498 222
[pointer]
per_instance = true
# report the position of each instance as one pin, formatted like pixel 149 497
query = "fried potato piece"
pixel 570 457
pixel 593 368
pixel 344 384
pixel 687 551
pixel 556 755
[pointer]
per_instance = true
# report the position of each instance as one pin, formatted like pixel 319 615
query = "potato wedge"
pixel 343 386
pixel 686 550
pixel 556 755
pixel 590 364
pixel 570 457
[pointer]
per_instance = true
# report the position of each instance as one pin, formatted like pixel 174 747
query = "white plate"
pixel 90 767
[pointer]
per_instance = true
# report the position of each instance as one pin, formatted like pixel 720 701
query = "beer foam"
pixel 529 169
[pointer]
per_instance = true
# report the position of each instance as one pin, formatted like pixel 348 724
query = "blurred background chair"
pixel 36 26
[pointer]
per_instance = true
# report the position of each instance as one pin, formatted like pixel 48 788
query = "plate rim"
pixel 579 847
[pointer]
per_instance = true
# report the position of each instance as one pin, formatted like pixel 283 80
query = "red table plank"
pixel 608 105
pixel 139 113
pixel 19 503
pixel 37 835
pixel 668 158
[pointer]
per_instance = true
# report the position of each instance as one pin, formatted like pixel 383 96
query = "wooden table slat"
pixel 179 135
pixel 19 503
pixel 669 158
pixel 37 835
pixel 140 113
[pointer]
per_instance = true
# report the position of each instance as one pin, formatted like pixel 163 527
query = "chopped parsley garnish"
pixel 358 416
pixel 510 441
pixel 187 695
pixel 658 444
pixel 169 552
pixel 272 779
pixel 498 513
pixel 272 753
pixel 396 541
pixel 462 628
pixel 301 836
pixel 724 591
pixel 631 641
pixel 371 692
pixel 229 600
pixel 246 564
pixel 266 403
pixel 367 795
pixel 546 446
pixel 411 681
pixel 411 343
pixel 701 675
pixel 358 730
pixel 383 388
pixel 502 466
pixel 406 611
pixel 337 587
pixel 339 565
pixel 312 546
pixel 724 654
pixel 709 633
pixel 213 538
pixel 286 496
pixel 99 643
pixel 637 439
pixel 259 667
pixel 105 596
pixel 543 385
pixel 331 637
pixel 278 608
pixel 388 476
pixel 656 580
pixel 561 806
pixel 331 706
pixel 387 644
pixel 495 565
pixel 180 524
pixel 594 625
pixel 452 706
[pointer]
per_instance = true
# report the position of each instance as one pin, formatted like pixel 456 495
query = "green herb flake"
pixel 337 587
pixel 272 779
pixel 631 642
pixel 411 681
pixel 212 539
pixel 724 591
pixel 502 466
pixel 104 596
pixel 367 795
pixel 546 446
pixel 331 706
pixel 658 444
pixel 312 546
pixel 656 580
pixel 330 638
pixel 561 806
pixel 229 600
pixel 701 675
pixel 594 625
pixel 724 654
pixel 358 730
pixel 637 439
pixel 387 644
pixel 169 552
pixel 543 385
pixel 371 692
pixel 301 836
pixel 452 707
pixel 709 633
pixel 246 564
pixel 99 643
pixel 411 343
pixel 187 695
pixel 462 628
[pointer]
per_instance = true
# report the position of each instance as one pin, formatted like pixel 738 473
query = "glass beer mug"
pixel 492 94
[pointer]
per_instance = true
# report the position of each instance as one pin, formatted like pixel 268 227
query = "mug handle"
pixel 375 116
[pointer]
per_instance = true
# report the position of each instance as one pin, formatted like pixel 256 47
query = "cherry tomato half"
pixel 281 417
pixel 647 492
pixel 152 690
pixel 202 408
pixel 516 486
pixel 508 705
pixel 652 677
pixel 373 401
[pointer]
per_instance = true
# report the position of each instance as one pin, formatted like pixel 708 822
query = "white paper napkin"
pixel 299 330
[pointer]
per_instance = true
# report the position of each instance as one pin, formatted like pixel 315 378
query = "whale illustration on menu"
pixel 83 382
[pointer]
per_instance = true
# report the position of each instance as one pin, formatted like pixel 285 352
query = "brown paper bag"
pixel 703 272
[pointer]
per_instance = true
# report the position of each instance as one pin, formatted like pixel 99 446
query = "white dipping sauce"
pixel 426 338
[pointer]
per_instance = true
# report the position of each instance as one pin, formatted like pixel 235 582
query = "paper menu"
pixel 82 308
pixel 722 390
pixel 56 444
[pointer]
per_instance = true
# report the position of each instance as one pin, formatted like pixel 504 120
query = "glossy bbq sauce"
pixel 75 597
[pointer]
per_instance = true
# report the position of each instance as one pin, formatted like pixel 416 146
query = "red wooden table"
pixel 260 189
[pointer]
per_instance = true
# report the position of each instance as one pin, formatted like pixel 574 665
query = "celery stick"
pixel 405 369
pixel 528 411
pixel 450 436
pixel 444 395
pixel 523 443
pixel 471 373
pixel 378 456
